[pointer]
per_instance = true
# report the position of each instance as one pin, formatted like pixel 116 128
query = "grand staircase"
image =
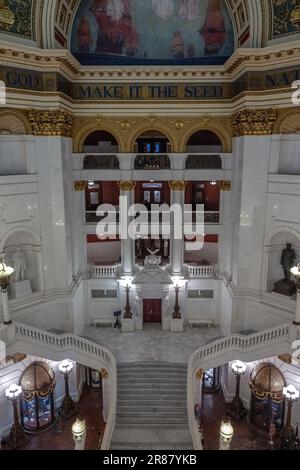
pixel 152 407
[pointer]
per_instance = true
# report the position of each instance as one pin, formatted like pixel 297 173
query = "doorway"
pixel 152 311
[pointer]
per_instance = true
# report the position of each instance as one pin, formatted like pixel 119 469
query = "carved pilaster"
pixel 225 185
pixel 254 122
pixel 178 185
pixel 51 123
pixel 126 185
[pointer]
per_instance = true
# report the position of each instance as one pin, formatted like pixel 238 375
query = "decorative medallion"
pixel 254 122
pixel 51 123
pixel 178 185
pixel 179 125
pixel 104 374
pixel 126 185
pixel 80 186
pixel 225 185
pixel 199 374
pixel 7 17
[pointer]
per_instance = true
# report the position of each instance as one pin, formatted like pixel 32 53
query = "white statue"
pixel 152 261
pixel 19 264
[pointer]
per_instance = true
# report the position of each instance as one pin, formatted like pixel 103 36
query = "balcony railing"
pixel 152 162
pixel 101 162
pixel 203 162
pixel 103 272
pixel 201 272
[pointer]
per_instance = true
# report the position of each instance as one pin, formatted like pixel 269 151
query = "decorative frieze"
pixel 225 185
pixel 126 185
pixel 51 123
pixel 178 185
pixel 250 122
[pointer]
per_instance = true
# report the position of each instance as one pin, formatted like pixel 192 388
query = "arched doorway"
pixel 152 142
pixel 204 141
pixel 267 400
pixel 37 399
pixel 100 142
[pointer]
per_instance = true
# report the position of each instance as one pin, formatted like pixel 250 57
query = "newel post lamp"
pixel 5 276
pixel 226 435
pixel 127 311
pixel 236 408
pixel 177 312
pixel 17 437
pixel 68 407
pixel 296 273
pixel 79 434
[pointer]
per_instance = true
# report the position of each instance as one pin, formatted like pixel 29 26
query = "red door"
pixel 152 311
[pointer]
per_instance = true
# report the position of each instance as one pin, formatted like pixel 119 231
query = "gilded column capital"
pixel 126 185
pixel 104 374
pixel 178 185
pixel 80 186
pixel 250 122
pixel 51 123
pixel 199 374
pixel 225 185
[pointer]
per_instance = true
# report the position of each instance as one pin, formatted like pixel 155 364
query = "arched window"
pixel 100 142
pixel 204 141
pixel 37 400
pixel 152 142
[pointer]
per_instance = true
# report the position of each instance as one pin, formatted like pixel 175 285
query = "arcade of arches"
pixel 149 224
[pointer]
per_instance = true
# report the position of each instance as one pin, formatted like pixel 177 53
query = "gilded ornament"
pixel 126 185
pixel 199 374
pixel 80 186
pixel 7 17
pixel 254 122
pixel 178 185
pixel 51 123
pixel 179 125
pixel 225 185
pixel 104 374
pixel 125 125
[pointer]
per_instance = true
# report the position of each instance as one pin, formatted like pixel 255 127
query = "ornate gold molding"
pixel 225 185
pixel 51 123
pixel 178 185
pixel 126 185
pixel 199 374
pixel 104 374
pixel 7 16
pixel 250 122
pixel 80 185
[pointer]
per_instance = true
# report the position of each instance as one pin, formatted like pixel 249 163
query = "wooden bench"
pixel 101 322
pixel 201 321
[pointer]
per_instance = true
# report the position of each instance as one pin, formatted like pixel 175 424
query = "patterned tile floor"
pixel 245 436
pixel 90 409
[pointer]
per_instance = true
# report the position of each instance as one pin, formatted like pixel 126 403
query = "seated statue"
pixel 20 266
pixel 152 261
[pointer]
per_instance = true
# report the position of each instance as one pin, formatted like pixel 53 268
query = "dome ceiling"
pixel 189 30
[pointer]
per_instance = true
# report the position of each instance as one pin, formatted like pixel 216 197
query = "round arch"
pixel 221 132
pixel 14 122
pixel 85 131
pixel 19 229
pixel 288 122
pixel 147 127
pixel 280 229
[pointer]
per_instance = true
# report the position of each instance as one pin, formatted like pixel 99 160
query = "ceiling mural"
pixel 126 32
pixel 17 17
pixel 281 18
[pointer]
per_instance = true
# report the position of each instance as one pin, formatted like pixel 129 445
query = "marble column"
pixel 127 244
pixel 5 305
pixel 177 244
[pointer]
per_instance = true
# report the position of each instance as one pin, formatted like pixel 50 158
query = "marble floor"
pixel 152 343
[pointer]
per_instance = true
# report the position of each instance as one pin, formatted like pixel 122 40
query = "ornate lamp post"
pixel 5 275
pixel 288 436
pixel 79 434
pixel 226 434
pixel 17 437
pixel 177 312
pixel 68 407
pixel 296 273
pixel 127 312
pixel 236 408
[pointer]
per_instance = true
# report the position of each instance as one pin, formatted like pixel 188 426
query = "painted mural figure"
pixel 177 48
pixel 189 9
pixel 84 36
pixel 163 8
pixel 213 30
